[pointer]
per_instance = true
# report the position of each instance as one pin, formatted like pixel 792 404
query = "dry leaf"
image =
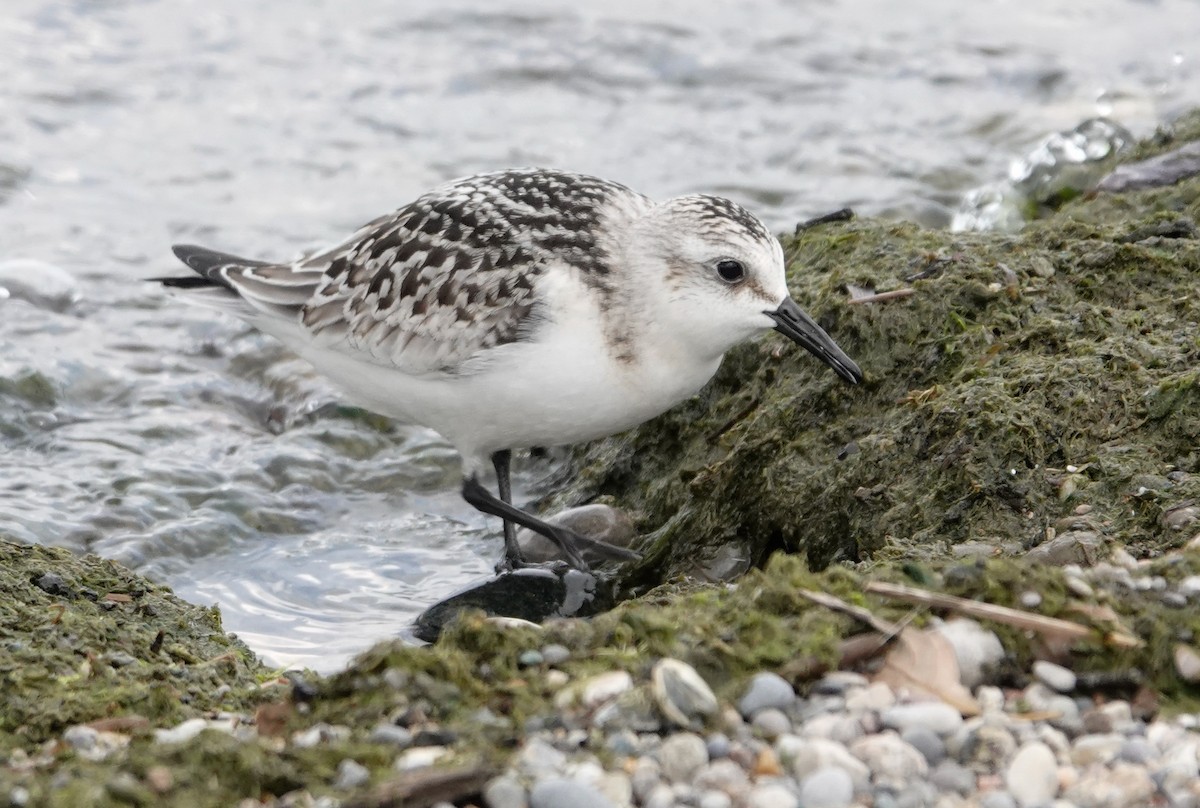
pixel 923 662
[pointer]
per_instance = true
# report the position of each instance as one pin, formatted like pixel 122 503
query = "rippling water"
pixel 202 454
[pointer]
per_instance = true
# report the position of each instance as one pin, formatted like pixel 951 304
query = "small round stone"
pixel 1032 775
pixel 504 792
pixel 715 799
pixel 927 742
pixel 1054 676
pixel 953 777
pixel 771 723
pixel 997 799
pixel 681 693
pixel 556 792
pixel 555 654
pixel 827 787
pixel 390 733
pixel 718 745
pixel 681 756
pixel 350 775
pixel 772 795
pixel 932 715
pixel 766 690
pixel 530 659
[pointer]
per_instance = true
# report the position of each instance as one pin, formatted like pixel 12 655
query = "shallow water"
pixel 199 452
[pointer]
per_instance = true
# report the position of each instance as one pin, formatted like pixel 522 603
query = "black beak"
pixel 791 321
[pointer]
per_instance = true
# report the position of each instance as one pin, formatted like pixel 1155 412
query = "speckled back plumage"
pixel 428 287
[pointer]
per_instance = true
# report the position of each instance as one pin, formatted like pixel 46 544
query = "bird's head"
pixel 723 280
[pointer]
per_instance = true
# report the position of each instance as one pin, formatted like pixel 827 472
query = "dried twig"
pixel 880 297
pixel 999 614
pixel 884 627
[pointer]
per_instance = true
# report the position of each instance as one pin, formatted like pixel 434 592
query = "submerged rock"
pixel 532 593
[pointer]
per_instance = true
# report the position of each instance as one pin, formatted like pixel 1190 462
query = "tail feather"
pixel 206 264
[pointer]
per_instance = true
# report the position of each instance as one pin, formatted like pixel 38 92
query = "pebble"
pixel 561 792
pixel 390 733
pixel 555 654
pixel 827 787
pixel 1054 676
pixel 766 690
pixel 1032 775
pixel 927 742
pixel 681 693
pixel 1187 663
pixel 771 723
pixel 350 775
pixel 772 795
pixel 936 716
pixel 977 649
pixel 890 759
pixel 682 755
pixel 505 791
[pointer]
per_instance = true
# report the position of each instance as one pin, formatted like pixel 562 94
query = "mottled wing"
pixel 446 278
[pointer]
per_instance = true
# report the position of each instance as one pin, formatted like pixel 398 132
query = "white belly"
pixel 563 388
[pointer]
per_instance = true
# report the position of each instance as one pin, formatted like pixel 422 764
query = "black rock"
pixel 52 584
pixel 531 593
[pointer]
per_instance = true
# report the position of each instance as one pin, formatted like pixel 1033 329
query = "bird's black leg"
pixel 482 499
pixel 501 461
pixel 567 540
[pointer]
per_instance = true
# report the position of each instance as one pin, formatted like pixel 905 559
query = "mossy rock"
pixel 1024 376
pixel 87 639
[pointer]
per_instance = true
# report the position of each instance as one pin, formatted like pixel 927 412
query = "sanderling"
pixel 523 308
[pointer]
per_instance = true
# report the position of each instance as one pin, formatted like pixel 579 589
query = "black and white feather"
pixel 429 287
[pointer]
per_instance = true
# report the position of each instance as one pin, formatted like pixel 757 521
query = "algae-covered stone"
pixel 87 639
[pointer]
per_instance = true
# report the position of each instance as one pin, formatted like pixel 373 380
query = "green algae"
pixel 95 641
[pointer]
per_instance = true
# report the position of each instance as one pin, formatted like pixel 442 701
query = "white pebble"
pixel 932 715
pixel 1054 676
pixel 1032 775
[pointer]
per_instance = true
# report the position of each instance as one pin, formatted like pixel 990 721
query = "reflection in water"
pixel 204 455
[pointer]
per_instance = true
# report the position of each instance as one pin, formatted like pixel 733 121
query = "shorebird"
pixel 522 308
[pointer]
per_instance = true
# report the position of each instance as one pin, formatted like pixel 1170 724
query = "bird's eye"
pixel 731 271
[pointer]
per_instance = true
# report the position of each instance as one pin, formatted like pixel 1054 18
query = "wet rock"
pixel 681 693
pixel 557 792
pixel 530 593
pixel 1032 775
pixel 53 584
pixel 600 522
pixel 766 690
pixel 43 285
pixel 1164 169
